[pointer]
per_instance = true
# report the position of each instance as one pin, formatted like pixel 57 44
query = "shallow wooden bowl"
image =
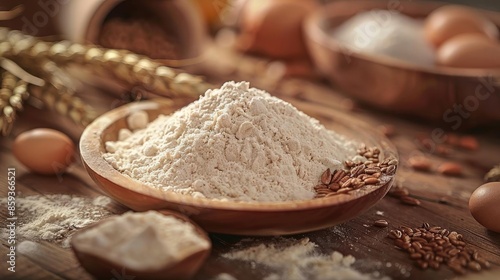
pixel 430 93
pixel 245 218
pixel 104 269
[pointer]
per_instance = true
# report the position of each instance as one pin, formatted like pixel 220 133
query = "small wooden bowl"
pixel 105 269
pixel 395 85
pixel 244 218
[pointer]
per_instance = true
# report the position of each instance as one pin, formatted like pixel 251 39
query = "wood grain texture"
pixel 444 199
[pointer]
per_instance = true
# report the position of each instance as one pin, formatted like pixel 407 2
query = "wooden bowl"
pixel 105 269
pixel 231 217
pixel 430 93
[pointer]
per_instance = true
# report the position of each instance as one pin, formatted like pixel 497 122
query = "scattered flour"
pixel 293 259
pixel 234 143
pixel 54 218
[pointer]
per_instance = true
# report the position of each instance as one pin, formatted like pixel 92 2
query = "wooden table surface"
pixel 444 199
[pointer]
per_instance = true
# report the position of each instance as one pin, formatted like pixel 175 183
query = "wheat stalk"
pixel 38 67
pixel 128 67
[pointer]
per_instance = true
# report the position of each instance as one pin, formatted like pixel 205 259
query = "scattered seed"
pixel 474 266
pixel 450 169
pixel 434 264
pixel 423 264
pixel 420 163
pixel 399 191
pixel 468 143
pixel 457 268
pixel 435 247
pixel 395 234
pixel 410 200
pixel 443 150
pixel 381 223
pixel 484 263
pixel 416 256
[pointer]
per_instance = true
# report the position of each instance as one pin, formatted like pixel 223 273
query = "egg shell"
pixel 484 205
pixel 469 51
pixel 44 151
pixel 451 20
pixel 274 28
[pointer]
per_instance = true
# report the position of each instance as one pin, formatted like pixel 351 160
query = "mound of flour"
pixel 234 143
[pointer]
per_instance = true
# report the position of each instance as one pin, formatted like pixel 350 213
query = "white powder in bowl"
pixel 142 241
pixel 234 143
pixel 387 33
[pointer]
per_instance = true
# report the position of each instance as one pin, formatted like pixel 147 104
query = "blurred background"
pixel 339 43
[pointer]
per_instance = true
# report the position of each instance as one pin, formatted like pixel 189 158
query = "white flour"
pixel 386 33
pixel 54 218
pixel 142 241
pixel 293 259
pixel 234 143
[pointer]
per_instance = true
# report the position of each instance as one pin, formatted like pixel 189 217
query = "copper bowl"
pixel 432 93
pixel 231 217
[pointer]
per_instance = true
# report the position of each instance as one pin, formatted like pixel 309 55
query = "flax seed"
pixel 347 183
pixel 416 245
pixel 338 176
pixel 410 200
pixel 395 234
pixel 468 143
pixel 423 264
pixel 416 256
pixel 326 177
pixel 399 191
pixel 381 223
pixel 391 169
pixel 450 169
pixel 474 266
pixel 420 163
pixel 484 263
pixel 458 269
pixel 434 264
pixel 319 187
pixel 355 171
pixel 334 186
pixel 371 181
pixel 343 190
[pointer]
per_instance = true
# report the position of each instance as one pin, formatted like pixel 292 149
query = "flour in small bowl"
pixel 234 143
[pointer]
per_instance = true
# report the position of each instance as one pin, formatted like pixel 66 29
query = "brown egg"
pixel 469 51
pixel 484 205
pixel 451 20
pixel 274 28
pixel 44 151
